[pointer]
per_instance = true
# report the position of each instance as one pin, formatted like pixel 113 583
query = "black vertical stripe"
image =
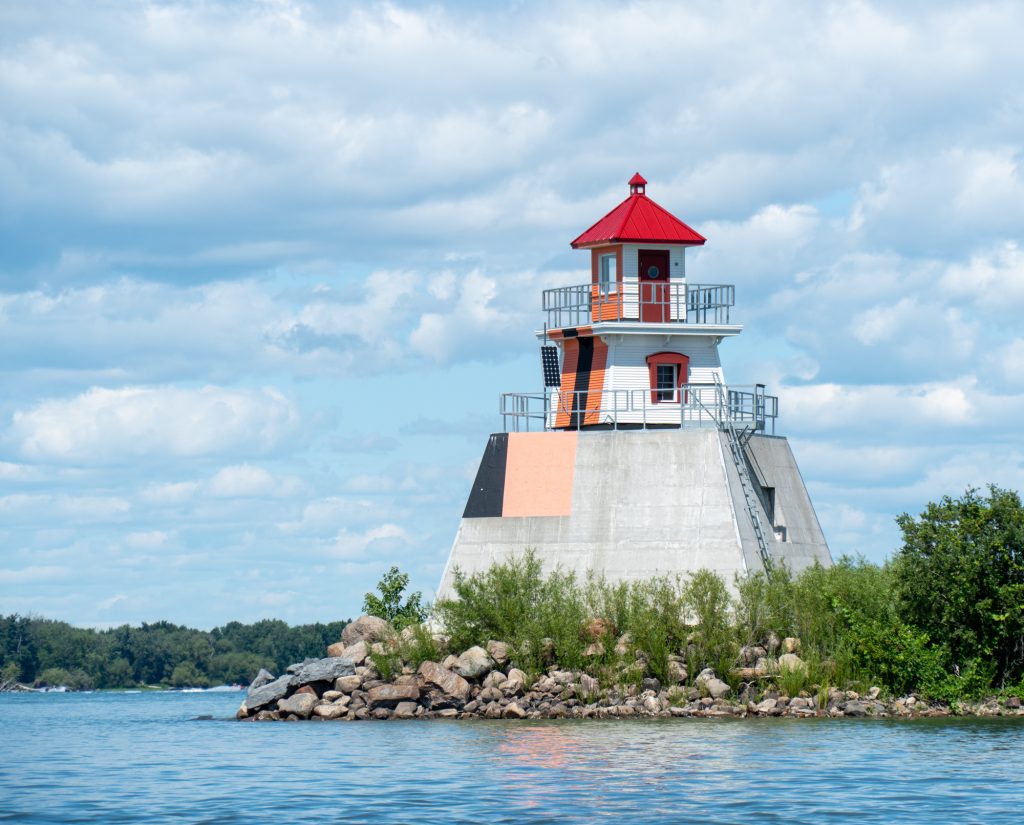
pixel 583 367
pixel 488 493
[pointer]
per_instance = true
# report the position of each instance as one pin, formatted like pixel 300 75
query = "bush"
pixel 389 605
pixel 960 579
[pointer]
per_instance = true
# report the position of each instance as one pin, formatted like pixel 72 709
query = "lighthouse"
pixel 638 458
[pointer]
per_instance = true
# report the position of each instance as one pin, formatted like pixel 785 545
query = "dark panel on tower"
pixel 549 359
pixel 488 493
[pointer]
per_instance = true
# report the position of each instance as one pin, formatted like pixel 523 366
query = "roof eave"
pixel 609 241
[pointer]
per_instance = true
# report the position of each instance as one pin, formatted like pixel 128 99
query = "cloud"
pixel 247 481
pixel 110 425
pixel 37 573
pixel 380 541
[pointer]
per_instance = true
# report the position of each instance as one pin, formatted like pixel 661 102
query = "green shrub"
pixel 960 579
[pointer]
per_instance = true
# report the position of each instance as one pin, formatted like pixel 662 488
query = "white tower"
pixel 638 459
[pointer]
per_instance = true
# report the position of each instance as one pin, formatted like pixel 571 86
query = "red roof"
pixel 638 219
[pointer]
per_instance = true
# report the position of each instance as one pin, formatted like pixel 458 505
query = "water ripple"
pixel 145 758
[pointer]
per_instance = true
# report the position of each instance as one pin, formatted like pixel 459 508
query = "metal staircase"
pixel 737 440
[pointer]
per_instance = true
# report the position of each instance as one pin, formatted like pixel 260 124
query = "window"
pixel 666 382
pixel 608 273
pixel 669 372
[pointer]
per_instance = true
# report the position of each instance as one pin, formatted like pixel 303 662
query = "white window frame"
pixel 608 273
pixel 670 394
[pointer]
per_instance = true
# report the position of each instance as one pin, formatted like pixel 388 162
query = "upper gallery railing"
pixel 650 301
pixel 691 405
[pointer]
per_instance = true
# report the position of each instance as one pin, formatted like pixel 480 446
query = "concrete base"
pixel 633 506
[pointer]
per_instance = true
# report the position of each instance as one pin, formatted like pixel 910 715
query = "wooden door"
pixel 654 286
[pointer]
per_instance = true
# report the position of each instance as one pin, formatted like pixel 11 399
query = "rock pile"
pixel 482 682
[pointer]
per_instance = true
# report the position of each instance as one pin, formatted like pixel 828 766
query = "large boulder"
pixel 451 684
pixel 711 684
pixel 357 653
pixel 498 651
pixel 264 677
pixel 263 695
pixel 793 663
pixel 301 704
pixel 330 711
pixel 385 695
pixel 474 663
pixel 336 650
pixel 324 670
pixel 367 629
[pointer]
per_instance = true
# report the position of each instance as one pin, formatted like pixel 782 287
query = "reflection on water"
pixel 146 758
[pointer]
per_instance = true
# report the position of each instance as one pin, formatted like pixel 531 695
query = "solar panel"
pixel 549 360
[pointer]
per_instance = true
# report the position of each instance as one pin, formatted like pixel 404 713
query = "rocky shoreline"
pixel 482 683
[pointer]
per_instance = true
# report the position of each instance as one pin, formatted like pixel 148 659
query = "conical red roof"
pixel 638 219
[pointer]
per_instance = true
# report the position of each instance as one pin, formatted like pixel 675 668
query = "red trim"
pixel 676 358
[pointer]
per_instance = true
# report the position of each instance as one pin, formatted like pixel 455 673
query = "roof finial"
pixel 637 184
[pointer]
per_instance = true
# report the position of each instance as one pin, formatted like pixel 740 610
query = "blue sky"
pixel 265 267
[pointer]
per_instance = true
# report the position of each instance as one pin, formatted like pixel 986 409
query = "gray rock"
pixel 330 711
pixel 513 711
pixel 676 672
pixel 367 629
pixel 451 684
pixel 651 684
pixel 270 692
pixel 323 670
pixel 346 684
pixel 767 706
pixel 298 666
pixel 301 704
pixel 474 663
pixel 792 662
pixel 494 679
pixel 716 688
pixel 264 677
pixel 392 695
pixel 498 651
pixel 405 710
pixel 357 652
pixel 855 708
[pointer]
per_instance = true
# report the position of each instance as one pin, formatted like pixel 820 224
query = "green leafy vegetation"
pixel 389 605
pixel 42 651
pixel 944 618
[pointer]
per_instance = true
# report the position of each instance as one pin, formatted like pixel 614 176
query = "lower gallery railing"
pixel 691 405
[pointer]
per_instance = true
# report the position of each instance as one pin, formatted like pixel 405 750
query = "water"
pixel 141 758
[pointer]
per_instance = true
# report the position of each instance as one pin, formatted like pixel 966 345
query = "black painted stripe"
pixel 485 499
pixel 583 367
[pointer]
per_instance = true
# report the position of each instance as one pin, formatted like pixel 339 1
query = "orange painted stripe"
pixel 539 474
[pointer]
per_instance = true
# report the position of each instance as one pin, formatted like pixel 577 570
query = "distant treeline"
pixel 43 651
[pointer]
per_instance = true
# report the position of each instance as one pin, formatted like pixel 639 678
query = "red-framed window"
pixel 668 372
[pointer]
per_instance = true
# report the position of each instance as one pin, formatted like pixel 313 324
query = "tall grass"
pixel 845 617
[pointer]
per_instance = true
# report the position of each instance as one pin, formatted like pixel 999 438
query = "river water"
pixel 141 758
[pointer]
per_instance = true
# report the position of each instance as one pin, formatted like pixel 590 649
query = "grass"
pixel 846 618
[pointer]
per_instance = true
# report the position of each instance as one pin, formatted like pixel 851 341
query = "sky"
pixel 265 267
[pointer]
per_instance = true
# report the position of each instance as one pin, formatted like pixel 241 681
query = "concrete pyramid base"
pixel 633 505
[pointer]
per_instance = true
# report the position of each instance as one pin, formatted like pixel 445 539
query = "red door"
pixel 654 289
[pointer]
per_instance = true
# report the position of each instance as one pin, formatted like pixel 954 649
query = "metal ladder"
pixel 740 460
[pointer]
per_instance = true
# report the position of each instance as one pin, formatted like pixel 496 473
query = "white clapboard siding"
pixel 628 374
pixel 630 275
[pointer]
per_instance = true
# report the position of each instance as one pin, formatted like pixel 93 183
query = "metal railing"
pixel 652 302
pixel 746 407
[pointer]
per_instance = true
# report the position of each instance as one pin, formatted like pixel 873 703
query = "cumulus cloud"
pixel 285 194
pixel 110 425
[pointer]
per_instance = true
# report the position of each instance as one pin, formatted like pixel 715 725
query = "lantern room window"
pixel 607 273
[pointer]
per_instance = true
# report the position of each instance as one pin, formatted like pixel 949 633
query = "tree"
pixel 960 579
pixel 389 604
